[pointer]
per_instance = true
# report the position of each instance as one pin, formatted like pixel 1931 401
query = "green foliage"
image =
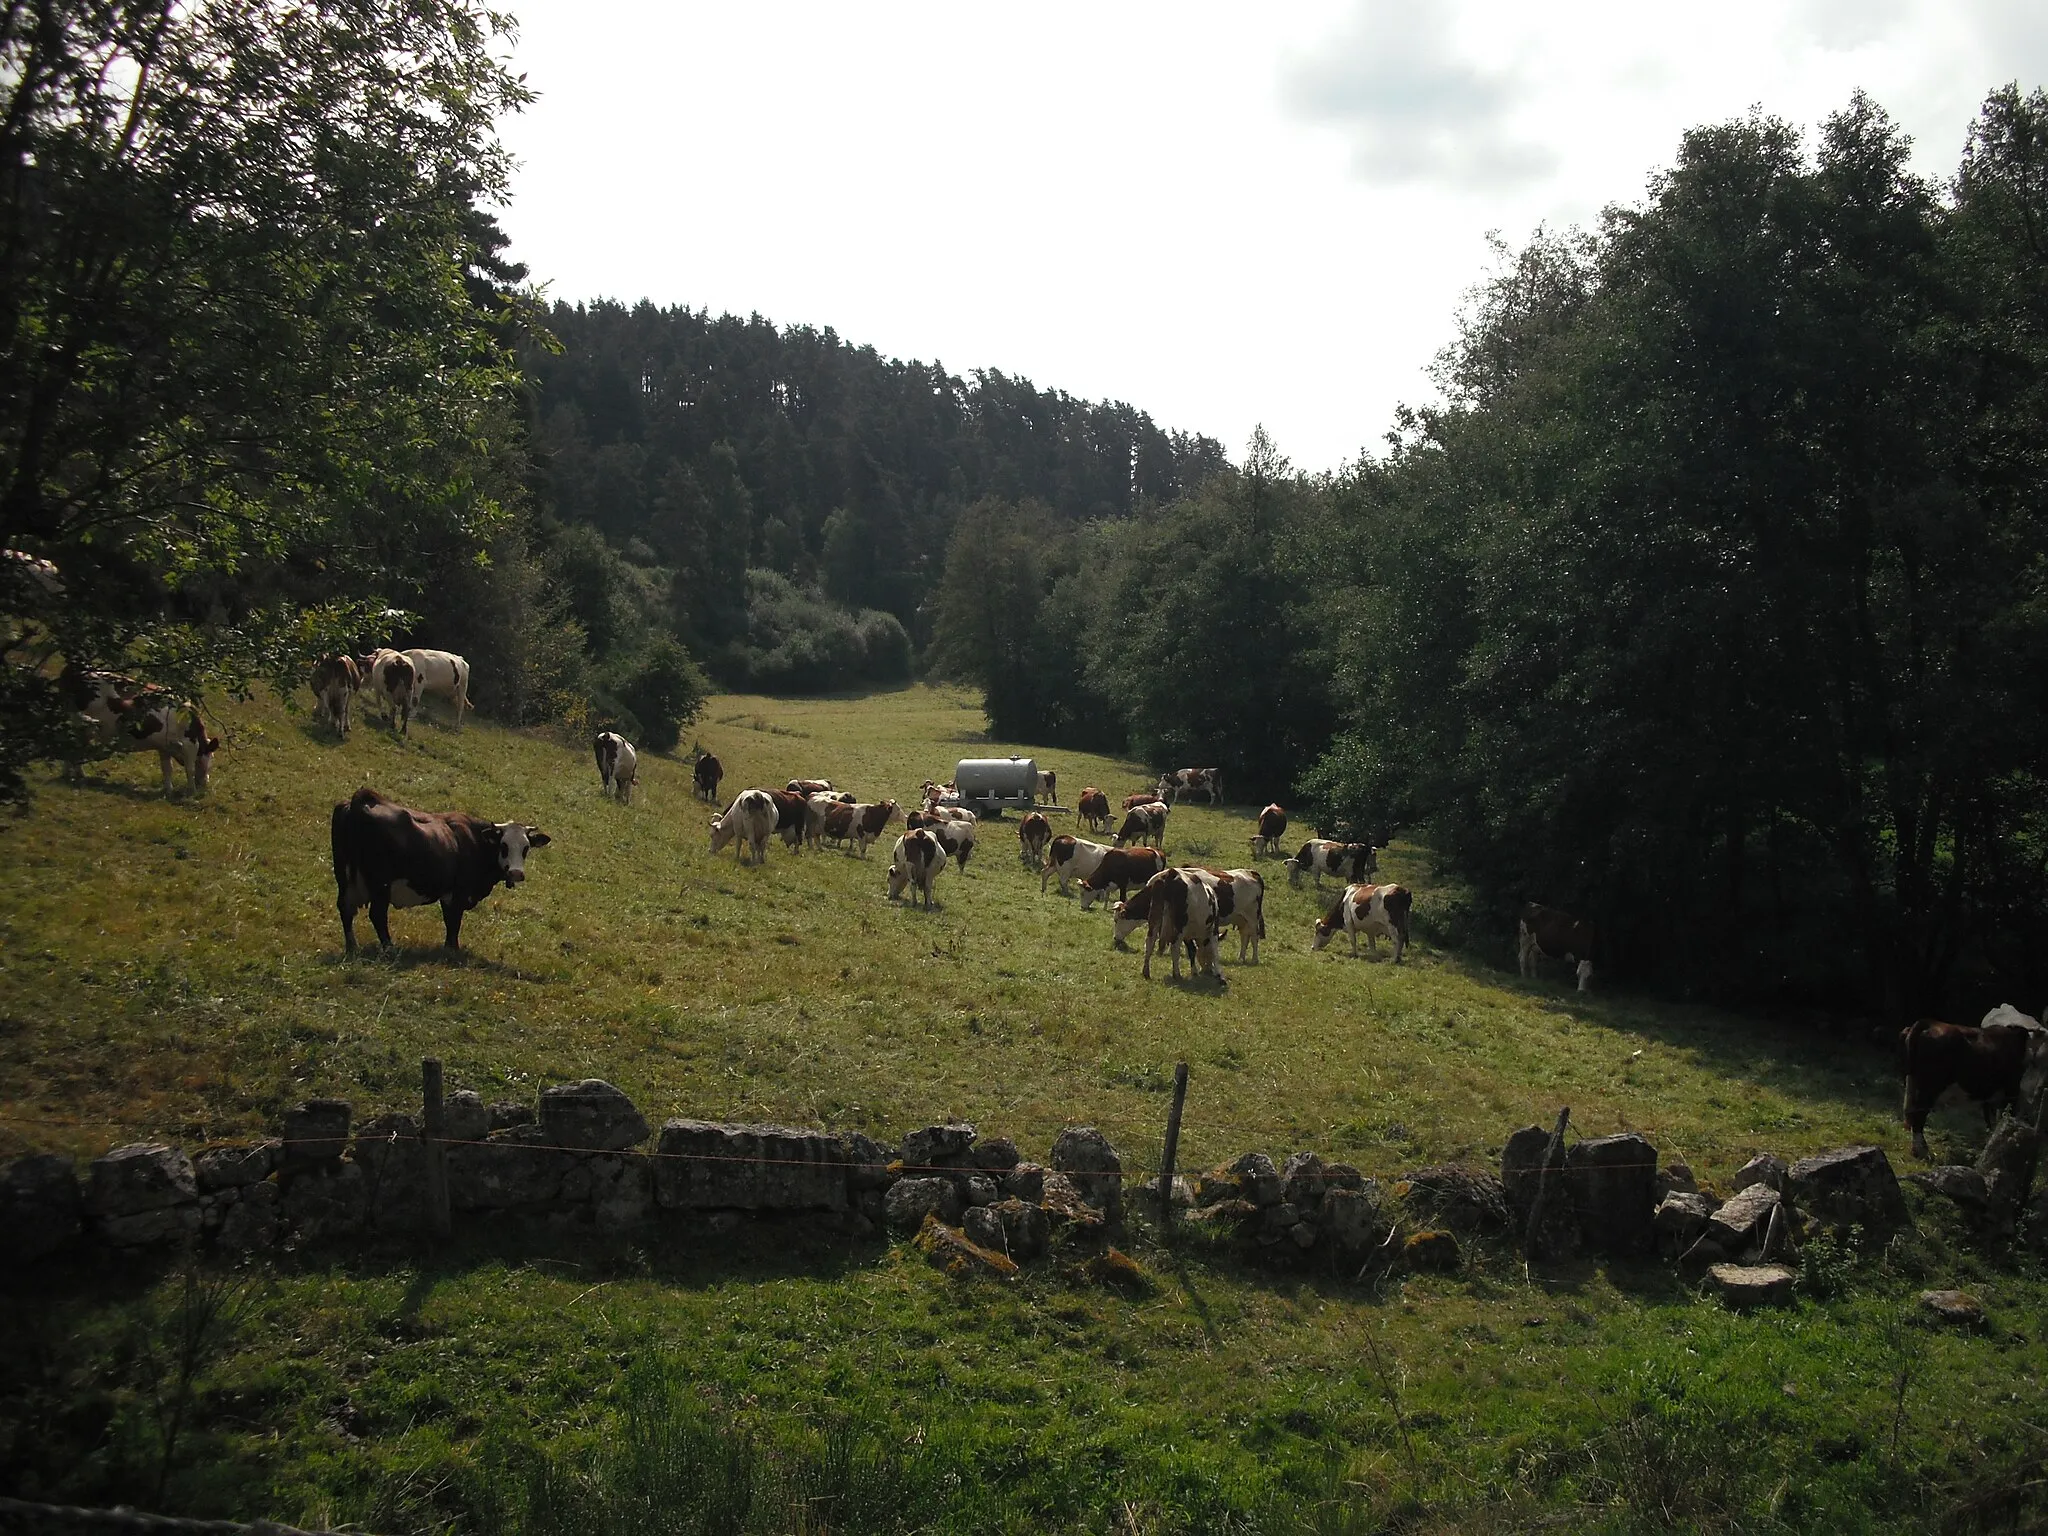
pixel 665 690
pixel 798 642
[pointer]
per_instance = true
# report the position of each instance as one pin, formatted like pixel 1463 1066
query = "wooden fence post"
pixel 436 1149
pixel 1180 1097
pixel 1550 1156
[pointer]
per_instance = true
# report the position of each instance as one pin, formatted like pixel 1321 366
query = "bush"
pixel 665 691
pixel 799 642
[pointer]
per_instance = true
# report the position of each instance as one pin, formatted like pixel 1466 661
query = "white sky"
pixel 1222 214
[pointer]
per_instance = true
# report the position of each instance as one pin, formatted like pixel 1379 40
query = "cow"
pixel 618 765
pixel 1272 827
pixel 1129 915
pixel 1070 857
pixel 1093 809
pixel 792 817
pixel 1181 909
pixel 837 828
pixel 1352 863
pixel 1142 797
pixel 808 787
pixel 443 674
pixel 1241 904
pixel 916 861
pixel 750 818
pixel 1377 911
pixel 1995 1064
pixel 1033 833
pixel 870 821
pixel 387 856
pixel 1546 933
pixel 1190 781
pixel 818 808
pixel 390 675
pixel 705 776
pixel 156 722
pixel 1048 786
pixel 335 681
pixel 1144 824
pixel 956 837
pixel 1122 868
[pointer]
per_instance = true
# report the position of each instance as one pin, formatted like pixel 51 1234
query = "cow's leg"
pixel 348 923
pixel 1354 943
pixel 380 916
pixel 1151 938
pixel 164 759
pixel 1916 1116
pixel 1585 975
pixel 1400 945
pixel 451 915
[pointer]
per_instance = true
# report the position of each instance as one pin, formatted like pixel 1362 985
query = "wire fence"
pixel 27 1516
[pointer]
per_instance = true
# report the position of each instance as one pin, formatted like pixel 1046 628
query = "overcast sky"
pixel 1224 215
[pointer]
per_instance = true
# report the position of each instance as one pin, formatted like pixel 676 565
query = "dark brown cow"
pixel 1272 827
pixel 792 816
pixel 1033 833
pixel 387 856
pixel 1093 809
pixel 1144 824
pixel 1544 933
pixel 1993 1064
pixel 1122 868
pixel 808 787
pixel 705 776
pixel 838 824
pixel 335 681
pixel 1143 797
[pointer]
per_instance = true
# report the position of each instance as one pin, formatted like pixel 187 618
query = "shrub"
pixel 665 691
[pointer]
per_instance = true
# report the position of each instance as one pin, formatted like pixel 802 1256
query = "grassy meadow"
pixel 175 971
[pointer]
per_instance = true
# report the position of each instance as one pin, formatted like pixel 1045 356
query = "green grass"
pixel 175 971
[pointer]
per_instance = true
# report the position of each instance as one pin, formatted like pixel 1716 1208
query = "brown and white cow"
pixel 1142 797
pixel 1181 909
pixel 915 861
pixel 1122 868
pixel 1144 824
pixel 819 805
pixel 1352 863
pixel 442 674
pixel 808 787
pixel 156 722
pixel 335 681
pixel 387 856
pixel 1544 933
pixel 390 675
pixel 1377 911
pixel 618 765
pixel 1033 833
pixel 705 776
pixel 1191 781
pixel 1093 809
pixel 870 821
pixel 792 817
pixel 1048 786
pixel 1241 904
pixel 1994 1064
pixel 1272 827
pixel 751 819
pixel 954 835
pixel 1071 858
pixel 1129 915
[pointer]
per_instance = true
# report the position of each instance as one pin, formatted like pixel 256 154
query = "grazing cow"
pixel 915 861
pixel 792 816
pixel 1377 911
pixel 750 818
pixel 1272 827
pixel 956 837
pixel 387 856
pixel 1546 933
pixel 1093 809
pixel 837 827
pixel 335 681
pixel 390 675
pixel 1181 909
pixel 1353 863
pixel 705 776
pixel 1241 904
pixel 1122 868
pixel 1033 833
pixel 443 674
pixel 808 787
pixel 1048 786
pixel 818 808
pixel 1071 858
pixel 870 821
pixel 618 765
pixel 156 722
pixel 1144 824
pixel 1143 797
pixel 1129 915
pixel 1191 781
pixel 1994 1064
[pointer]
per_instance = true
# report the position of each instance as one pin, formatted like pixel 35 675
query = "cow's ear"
pixel 535 838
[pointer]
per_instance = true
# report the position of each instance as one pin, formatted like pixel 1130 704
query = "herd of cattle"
pixel 386 855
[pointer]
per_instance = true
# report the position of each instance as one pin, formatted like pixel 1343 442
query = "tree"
pixel 241 250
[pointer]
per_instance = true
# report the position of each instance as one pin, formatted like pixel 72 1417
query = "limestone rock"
pixel 1740 1226
pixel 142 1177
pixel 147 1229
pixel 1342 1176
pixel 1303 1180
pixel 509 1114
pixel 984 1228
pixel 513 1169
pixel 617 1187
pixel 40 1207
pixel 1432 1250
pixel 327 1204
pixel 1117 1270
pixel 950 1250
pixel 1224 1213
pixel 1258 1180
pixel 465 1116
pixel 591 1116
pixel 1025 1229
pixel 250 1224
pixel 1467 1198
pixel 997 1155
pixel 1676 1179
pixel 316 1133
pixel 1086 1157
pixel 1304 1234
pixel 1613 1181
pixel 2007 1163
pixel 867 1162
pixel 394 1162
pixel 1764 1168
pixel 912 1199
pixel 1965 1186
pixel 1521 1166
pixel 979 1189
pixel 1279 1220
pixel 1356 1221
pixel 1849 1186
pixel 1068 1212
pixel 1958 1307
pixel 229 1166
pixel 936 1146
pixel 1679 1221
pixel 749 1167
pixel 1750 1285
pixel 1026 1181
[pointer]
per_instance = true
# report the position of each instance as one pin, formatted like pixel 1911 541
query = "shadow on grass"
pixel 400 958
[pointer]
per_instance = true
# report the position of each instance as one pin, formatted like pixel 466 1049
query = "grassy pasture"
pixel 175 970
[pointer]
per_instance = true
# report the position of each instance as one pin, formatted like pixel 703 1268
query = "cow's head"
pixel 1328 924
pixel 722 830
pixel 514 839
pixel 202 747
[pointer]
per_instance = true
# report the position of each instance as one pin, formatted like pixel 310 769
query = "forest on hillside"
pixel 1709 599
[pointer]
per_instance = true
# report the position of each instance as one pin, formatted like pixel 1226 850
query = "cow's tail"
pixel 338 834
pixel 1399 903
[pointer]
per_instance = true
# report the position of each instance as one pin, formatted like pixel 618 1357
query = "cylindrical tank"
pixel 993 778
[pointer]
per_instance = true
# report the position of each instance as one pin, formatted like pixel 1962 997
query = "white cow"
pixel 751 818
pixel 1071 858
pixel 1377 911
pixel 443 674
pixel 1320 856
pixel 390 675
pixel 618 766
pixel 158 723
pixel 1241 904
pixel 1182 911
pixel 916 861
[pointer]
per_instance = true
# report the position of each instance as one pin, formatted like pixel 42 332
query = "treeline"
pixel 1711 604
